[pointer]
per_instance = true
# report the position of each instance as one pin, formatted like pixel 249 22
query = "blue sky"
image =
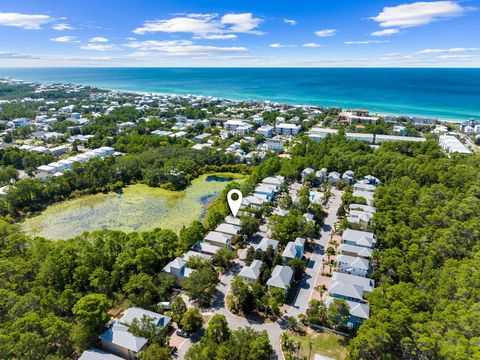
pixel 302 33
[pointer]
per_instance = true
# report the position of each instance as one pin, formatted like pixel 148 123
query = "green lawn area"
pixel 323 343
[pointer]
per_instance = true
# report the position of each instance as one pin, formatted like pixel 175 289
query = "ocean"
pixel 449 94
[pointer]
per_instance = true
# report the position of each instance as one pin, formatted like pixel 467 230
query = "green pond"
pixel 138 208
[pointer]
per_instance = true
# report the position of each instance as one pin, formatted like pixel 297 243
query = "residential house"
pixel 119 341
pixel 364 186
pixel 353 265
pixel 353 250
pixel 133 313
pixel 306 172
pixel 281 277
pixel 228 229
pixel 205 248
pixel 97 354
pixel 348 177
pixel 366 283
pixel 275 144
pixel 218 239
pixel 346 291
pixel 265 243
pixel 359 312
pixel 177 267
pixel 294 249
pixel 367 196
pixel 252 272
pixel 321 175
pixel 359 238
pixel 333 178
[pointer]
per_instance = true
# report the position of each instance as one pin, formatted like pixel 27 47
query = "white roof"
pixel 96 354
pixel 218 237
pixel 228 229
pixel 359 250
pixel 118 334
pixel 137 313
pixel 265 242
pixel 205 248
pixel 253 271
pixel 354 261
pixel 281 277
pixel 176 263
pixel 367 283
pixel 346 290
pixel 232 220
pixel 360 238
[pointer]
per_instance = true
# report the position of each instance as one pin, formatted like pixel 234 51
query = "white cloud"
pixel 206 26
pixel 178 48
pixel 98 39
pixel 366 42
pixel 276 46
pixel 418 13
pixel 242 23
pixel 179 24
pixel 386 32
pixel 290 21
pixel 326 32
pixel 461 57
pixel 24 21
pixel 451 50
pixel 63 39
pixel 312 45
pixel 62 27
pixel 100 47
pixel 216 37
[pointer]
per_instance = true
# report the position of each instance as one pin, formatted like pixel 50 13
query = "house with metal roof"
pixel 281 277
pixel 353 265
pixel 177 267
pixel 119 341
pixel 218 239
pixel 252 272
pixel 359 238
pixel 133 313
pixel 294 249
pixel 358 312
pixel 229 229
pixel 97 354
pixel 346 291
pixel 366 283
pixel 353 250
pixel 265 243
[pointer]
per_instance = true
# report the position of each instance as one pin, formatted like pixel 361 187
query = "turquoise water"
pixel 452 94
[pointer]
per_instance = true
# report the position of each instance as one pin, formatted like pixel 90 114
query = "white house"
pixel 119 341
pixel 294 249
pixel 359 238
pixel 265 131
pixel 252 272
pixel 281 277
pixel 287 129
pixel 137 313
pixel 218 239
pixel 353 265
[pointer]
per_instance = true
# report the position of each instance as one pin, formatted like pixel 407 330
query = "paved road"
pixel 300 304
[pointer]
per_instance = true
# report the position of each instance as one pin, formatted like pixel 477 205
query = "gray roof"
pixel 218 237
pixel 118 334
pixel 290 250
pixel 347 290
pixel 361 310
pixel 137 313
pixel 367 283
pixel 96 354
pixel 353 249
pixel 362 207
pixel 206 248
pixel 360 238
pixel 232 220
pixel 176 263
pixel 253 271
pixel 228 229
pixel 281 277
pixel 354 261
pixel 265 242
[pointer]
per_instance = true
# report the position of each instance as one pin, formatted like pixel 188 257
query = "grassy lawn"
pixel 323 343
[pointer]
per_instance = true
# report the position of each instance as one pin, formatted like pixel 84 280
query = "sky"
pixel 232 33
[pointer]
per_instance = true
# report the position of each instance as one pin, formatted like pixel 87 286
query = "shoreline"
pixel 450 120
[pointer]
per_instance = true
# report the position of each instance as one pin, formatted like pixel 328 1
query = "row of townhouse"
pixel 242 128
pixel 351 280
pixel 58 167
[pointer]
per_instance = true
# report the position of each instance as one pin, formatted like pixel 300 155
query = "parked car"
pixel 183 333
